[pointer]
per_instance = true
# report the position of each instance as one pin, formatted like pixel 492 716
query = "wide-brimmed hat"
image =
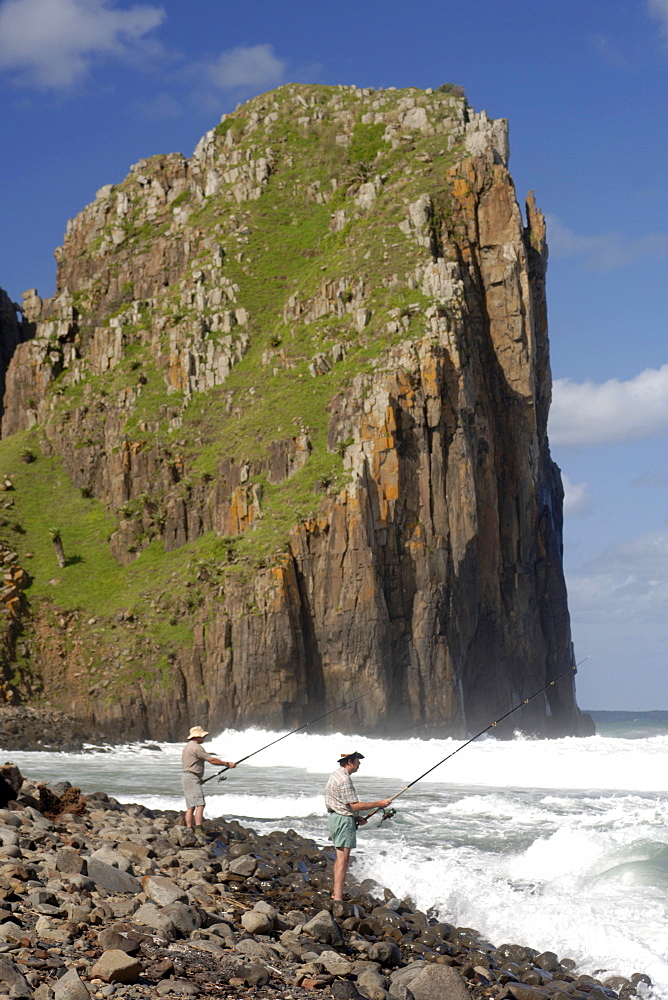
pixel 350 755
pixel 197 732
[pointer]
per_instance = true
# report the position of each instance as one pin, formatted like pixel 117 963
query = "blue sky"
pixel 88 87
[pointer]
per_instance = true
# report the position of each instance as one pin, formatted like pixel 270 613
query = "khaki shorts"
pixel 192 789
pixel 342 830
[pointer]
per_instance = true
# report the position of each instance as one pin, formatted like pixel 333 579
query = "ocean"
pixel 560 845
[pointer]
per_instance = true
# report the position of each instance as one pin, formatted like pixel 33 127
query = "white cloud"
pixel 51 44
pixel 577 501
pixel 245 66
pixel 584 413
pixel 659 10
pixel 627 581
pixel 606 252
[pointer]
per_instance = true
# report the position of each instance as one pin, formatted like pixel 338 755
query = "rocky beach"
pixel 101 899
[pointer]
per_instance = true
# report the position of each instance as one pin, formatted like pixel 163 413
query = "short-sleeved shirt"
pixel 194 755
pixel 340 792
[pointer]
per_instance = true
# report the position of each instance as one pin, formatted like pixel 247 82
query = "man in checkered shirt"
pixel 343 806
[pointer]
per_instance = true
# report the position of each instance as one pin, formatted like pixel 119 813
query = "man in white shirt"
pixel 343 806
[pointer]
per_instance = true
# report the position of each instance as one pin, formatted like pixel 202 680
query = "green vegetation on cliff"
pixel 247 387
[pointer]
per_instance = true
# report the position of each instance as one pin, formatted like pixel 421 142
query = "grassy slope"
pixel 289 250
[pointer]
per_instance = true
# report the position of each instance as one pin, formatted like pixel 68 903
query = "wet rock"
pixel 385 952
pixel 547 960
pixel 519 991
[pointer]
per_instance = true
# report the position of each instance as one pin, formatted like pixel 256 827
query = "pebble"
pixel 109 900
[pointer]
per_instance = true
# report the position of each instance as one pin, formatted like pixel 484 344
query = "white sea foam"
pixel 248 807
pixel 560 845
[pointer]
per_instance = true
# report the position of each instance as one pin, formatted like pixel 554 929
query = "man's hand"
pixel 231 764
pixel 384 803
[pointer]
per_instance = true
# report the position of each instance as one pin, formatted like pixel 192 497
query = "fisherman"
pixel 343 807
pixel 194 755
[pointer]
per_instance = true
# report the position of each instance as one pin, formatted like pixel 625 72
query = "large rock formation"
pixel 313 361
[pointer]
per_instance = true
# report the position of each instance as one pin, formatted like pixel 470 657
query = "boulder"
pixel 244 866
pixel 116 967
pixel 111 878
pixel 70 862
pixel 324 928
pixel 385 952
pixel 184 917
pixel 336 965
pixel 162 890
pixel 438 981
pixel 257 923
pixel 256 949
pixel 12 980
pixel 152 916
pixel 113 858
pixel 70 987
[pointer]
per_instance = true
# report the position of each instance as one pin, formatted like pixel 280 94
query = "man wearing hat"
pixel 343 805
pixel 194 755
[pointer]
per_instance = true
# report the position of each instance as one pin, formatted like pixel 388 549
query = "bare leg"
pixel 189 816
pixel 340 869
pixel 199 815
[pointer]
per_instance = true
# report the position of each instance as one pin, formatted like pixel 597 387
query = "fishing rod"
pixel 388 813
pixel 346 704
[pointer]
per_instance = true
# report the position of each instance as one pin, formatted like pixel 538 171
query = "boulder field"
pixel 99 899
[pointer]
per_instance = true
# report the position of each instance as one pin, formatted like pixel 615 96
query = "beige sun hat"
pixel 349 756
pixel 197 732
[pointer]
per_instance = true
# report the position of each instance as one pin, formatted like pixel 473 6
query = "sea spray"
pixel 561 845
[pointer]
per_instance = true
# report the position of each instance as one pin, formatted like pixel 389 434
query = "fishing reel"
pixel 222 777
pixel 388 814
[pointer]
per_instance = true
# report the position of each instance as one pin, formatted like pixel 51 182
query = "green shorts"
pixel 342 830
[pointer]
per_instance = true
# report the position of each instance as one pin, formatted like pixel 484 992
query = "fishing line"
pixel 346 704
pixel 388 813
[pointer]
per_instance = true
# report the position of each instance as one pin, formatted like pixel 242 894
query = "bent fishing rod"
pixel 388 813
pixel 346 704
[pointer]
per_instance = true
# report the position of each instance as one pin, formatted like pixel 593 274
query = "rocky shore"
pixel 23 727
pixel 99 899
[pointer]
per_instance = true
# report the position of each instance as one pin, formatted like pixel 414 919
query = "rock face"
pixel 321 343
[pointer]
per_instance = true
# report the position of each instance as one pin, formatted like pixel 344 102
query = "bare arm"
pixel 380 804
pixel 221 763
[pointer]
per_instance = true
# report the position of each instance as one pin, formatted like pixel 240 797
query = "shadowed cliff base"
pixel 287 414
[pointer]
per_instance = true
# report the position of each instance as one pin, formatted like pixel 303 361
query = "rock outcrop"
pixel 313 359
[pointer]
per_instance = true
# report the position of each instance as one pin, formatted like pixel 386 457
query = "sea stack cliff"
pixel 286 414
